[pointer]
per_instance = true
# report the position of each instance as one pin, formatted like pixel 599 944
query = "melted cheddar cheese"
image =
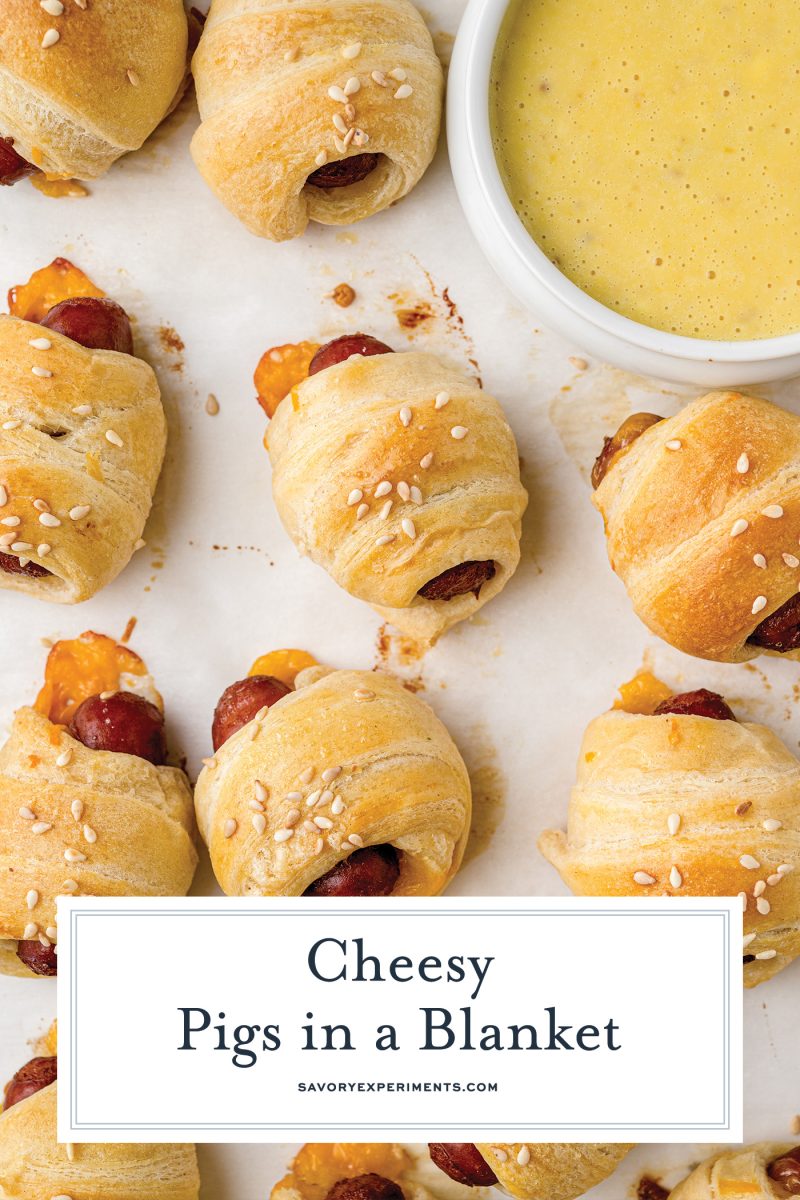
pixel 85 666
pixel 284 665
pixel 318 1166
pixel 48 286
pixel 642 694
pixel 280 370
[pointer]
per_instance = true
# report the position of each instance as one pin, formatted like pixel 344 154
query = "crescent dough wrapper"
pixel 555 1170
pixel 685 522
pixel 340 433
pixel 263 71
pixel 637 773
pixel 739 1174
pixel 34 1167
pixel 71 108
pixel 402 781
pixel 141 815
pixel 50 452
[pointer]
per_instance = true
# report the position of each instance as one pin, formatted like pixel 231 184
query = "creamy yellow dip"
pixel 651 149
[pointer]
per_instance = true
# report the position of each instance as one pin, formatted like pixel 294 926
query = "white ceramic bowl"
pixel 557 302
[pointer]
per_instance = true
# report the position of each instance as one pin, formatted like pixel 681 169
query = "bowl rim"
pixel 478 35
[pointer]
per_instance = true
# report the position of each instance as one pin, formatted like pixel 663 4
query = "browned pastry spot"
pixel 373 871
pixel 123 723
pixel 366 1187
pixel 650 1189
pixel 13 566
pixel 343 173
pixel 342 348
pixel 630 429
pixel 13 166
pixel 463 1162
pixel 240 702
pixel 786 1171
pixel 42 960
pixel 701 703
pixel 37 1074
pixel 466 577
pixel 94 323
pixel 781 630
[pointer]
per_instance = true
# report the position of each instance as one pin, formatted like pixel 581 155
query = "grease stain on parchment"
pixel 489 789
pixel 402 656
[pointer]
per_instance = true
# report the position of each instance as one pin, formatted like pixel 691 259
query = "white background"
pixel 517 686
pixel 260 975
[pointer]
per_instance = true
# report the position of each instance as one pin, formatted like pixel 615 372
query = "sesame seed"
pixel 312 798
pixel 331 773
pixel 53 7
pixel 292 817
pixel 283 835
pixel 760 561
pixel 675 878
pixel 355 497
pixel 385 539
pixel 765 954
pixel 403 92
pixel 759 889
pixel 360 138
pixel 318 845
pixel 387 508
pixel 11 424
pixel 293 796
pixel 255 806
pixel 69 885
pixel 426 461
pixel 355 839
pixel 774 880
pixel 41 827
pixel 408 527
pixel 7 538
pixel 337 94
pixel 791 560
pixel 673 823
pixel 259 822
pixel 50 38
pixel 743 898
pixel 82 410
pixel 323 822
pixel 771 825
pixel 307 775
pixel 31 931
pixel 262 712
pixel 748 939
pixel 673 444
pixel 351 51
pixel 459 432
pixel 21 547
pixel 773 511
pixel 738 527
pixel 133 78
pixel 499 1153
pixel 41 373
pixel 26 813
pixel 76 808
pixel 43 549
pixel 291 54
pixel 74 856
pixel 759 603
pixel 310 827
pixel 743 464
pixel 139 544
pixel 106 695
pixel 379 78
pixel 230 827
pixel 114 438
pixel 32 898
pixel 403 490
pixel 45 941
pixel 261 791
pixel 321 158
pixel 363 695
pixel 49 520
pixel 79 512
pixel 326 796
pixel 209 762
pixel 398 74
pixel 784 869
pixel 3 496
pixel 441 400
pixel 405 416
pixel 23 561
pixel 339 144
pixel 643 878
pixel 763 906
pixel 64 758
pixel 338 806
pixel 52 932
pixel 416 494
pixel 352 86
pixel 383 489
pixel 40 343
pixel 749 863
pixel 524 1156
pixel 339 123
pixel 41 506
pixel 89 834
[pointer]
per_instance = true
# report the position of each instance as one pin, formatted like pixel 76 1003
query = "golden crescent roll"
pixel 702 514
pixel 391 469
pixel 321 110
pixel 81 821
pixel 86 441
pixel 735 1174
pixel 80 87
pixel 33 1166
pixel 351 760
pixel 687 805
pixel 551 1170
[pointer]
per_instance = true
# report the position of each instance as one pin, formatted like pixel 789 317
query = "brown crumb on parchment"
pixel 580 364
pixel 343 295
pixel 650 1189
pixel 212 405
pixel 795 1125
pixel 129 628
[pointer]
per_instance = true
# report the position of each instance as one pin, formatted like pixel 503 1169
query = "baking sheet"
pixel 219 581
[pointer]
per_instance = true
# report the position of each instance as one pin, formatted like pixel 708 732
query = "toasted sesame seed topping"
pixel 352 86
pixel 326 796
pixel 416 494
pixel 362 511
pixel 355 497
pixel 743 898
pixel 748 939
pixel 673 444
pixel 784 869
pixel 40 343
pixel 765 954
pixel 426 461
pixel 230 827
pixel 398 74
pixel 41 827
pixel 355 839
pixel 41 373
pixel 379 78
pixel 21 547
pixel 774 880
pixel 642 877
pixel 11 424
pixel 26 813
pixel 791 560
pixel 74 856
pixel 749 863
pixel 403 92
pixel 7 538
pixel 743 464
pixel 408 527
pixel 255 806
pixel 338 806
pixel 763 906
pixel 773 511
pixel 82 410
pixel 50 38
pixel 331 773
pixel 336 93
pixel 11 522
pixel 363 694
pixel 323 822
pixel 43 549
pixel 351 51
pixel 41 506
pixel 405 416
pixel 383 489
pixel 3 496
pixel 64 758
pixel 675 878
pixel 339 123
pixel 385 539
pixel 738 527
pixel 139 544
pixel 339 144
pixel 283 835
pixel 114 438
pixel 760 561
pixel 403 490
pixel 31 931
pixel 759 603
pixel 89 834
pixel 387 508
pixel 313 797
pixel 459 432
pixel 771 825
pixel 499 1153
pixel 32 898
pixel 292 817
pixel 293 796
pixel 76 808
pixel 49 520
pixel 321 158
pixel 441 400
pixel 524 1156
pixel 291 54
pixel 209 762
pixel 45 941
pixel 759 889
pixel 133 78
pixel 360 137
pixel 259 822
pixel 673 823
pixel 310 827
pixel 69 885
pixel 52 932
pixel 79 512
pixel 53 7
pixel 262 712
